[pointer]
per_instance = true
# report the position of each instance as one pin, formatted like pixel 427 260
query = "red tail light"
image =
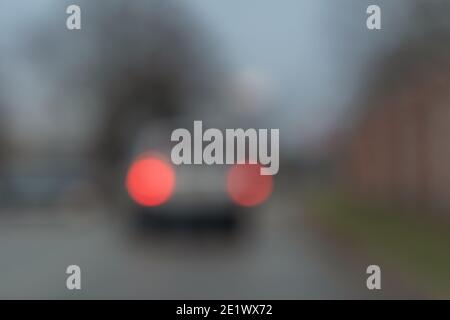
pixel 246 186
pixel 150 181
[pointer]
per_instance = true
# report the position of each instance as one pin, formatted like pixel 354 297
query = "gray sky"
pixel 315 53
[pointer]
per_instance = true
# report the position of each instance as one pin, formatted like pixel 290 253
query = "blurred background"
pixel 85 172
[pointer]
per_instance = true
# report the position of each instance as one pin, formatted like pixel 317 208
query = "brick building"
pixel 399 149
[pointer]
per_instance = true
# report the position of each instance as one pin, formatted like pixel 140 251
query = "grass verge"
pixel 415 243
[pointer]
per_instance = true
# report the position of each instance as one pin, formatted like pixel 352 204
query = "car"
pixel 166 197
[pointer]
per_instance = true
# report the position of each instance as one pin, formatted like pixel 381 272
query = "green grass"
pixel 413 242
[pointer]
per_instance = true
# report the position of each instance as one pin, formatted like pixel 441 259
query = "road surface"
pixel 276 256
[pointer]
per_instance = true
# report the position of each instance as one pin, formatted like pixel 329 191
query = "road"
pixel 277 256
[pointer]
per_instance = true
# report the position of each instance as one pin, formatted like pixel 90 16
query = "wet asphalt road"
pixel 275 255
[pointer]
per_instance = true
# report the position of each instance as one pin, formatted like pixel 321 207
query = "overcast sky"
pixel 315 53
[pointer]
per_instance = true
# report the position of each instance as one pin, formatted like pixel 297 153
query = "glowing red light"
pixel 246 186
pixel 150 181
